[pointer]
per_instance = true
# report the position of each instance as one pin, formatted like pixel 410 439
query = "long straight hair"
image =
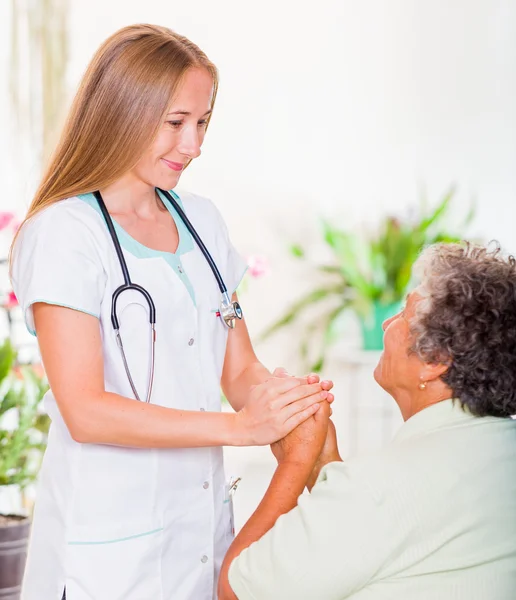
pixel 117 112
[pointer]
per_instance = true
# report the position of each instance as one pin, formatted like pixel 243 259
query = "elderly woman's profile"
pixel 433 514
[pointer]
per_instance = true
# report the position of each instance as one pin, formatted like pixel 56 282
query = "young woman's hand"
pixel 311 378
pixel 276 407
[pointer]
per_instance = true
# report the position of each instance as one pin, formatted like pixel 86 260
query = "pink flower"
pixel 5 219
pixel 258 265
pixel 11 301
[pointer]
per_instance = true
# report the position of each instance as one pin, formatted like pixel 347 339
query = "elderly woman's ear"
pixel 430 373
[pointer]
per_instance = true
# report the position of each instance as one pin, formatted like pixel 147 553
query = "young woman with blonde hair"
pixel 133 502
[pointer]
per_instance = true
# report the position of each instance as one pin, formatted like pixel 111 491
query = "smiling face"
pixel 400 371
pixel 181 135
pixel 397 368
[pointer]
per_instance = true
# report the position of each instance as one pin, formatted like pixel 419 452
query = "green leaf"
pixel 42 423
pixel 309 338
pixel 12 399
pixel 352 257
pixel 470 215
pixel 333 316
pixel 297 251
pixel 7 358
pixel 438 213
pixel 22 447
pixel 317 366
pixel 298 307
pixel 330 269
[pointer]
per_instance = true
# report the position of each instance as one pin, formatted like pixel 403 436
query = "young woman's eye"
pixel 202 123
pixel 175 124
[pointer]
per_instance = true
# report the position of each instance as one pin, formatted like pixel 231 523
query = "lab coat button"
pixel 204 559
pixel 206 485
pixel 191 342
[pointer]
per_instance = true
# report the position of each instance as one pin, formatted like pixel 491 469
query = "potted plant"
pixel 23 431
pixel 370 275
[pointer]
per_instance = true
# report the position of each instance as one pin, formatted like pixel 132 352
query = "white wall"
pixel 336 107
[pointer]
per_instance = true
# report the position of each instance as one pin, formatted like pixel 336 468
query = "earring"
pixel 422 386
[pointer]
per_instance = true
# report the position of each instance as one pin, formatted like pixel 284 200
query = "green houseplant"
pixel 370 275
pixel 23 431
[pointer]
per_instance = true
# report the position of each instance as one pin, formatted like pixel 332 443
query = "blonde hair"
pixel 117 111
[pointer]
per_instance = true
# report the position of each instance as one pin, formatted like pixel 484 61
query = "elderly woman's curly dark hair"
pixel 467 319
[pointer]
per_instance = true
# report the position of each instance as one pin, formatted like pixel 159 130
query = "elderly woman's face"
pixel 398 370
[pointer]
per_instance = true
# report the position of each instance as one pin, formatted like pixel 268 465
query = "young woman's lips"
pixel 173 165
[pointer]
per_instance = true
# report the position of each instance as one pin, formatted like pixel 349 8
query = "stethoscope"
pixel 229 311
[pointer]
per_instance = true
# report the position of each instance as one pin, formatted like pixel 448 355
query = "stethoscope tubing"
pixel 198 241
pixel 129 285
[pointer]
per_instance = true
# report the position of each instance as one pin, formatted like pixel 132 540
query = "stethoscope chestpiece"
pixel 230 311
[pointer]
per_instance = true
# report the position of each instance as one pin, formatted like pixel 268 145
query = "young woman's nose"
pixel 190 143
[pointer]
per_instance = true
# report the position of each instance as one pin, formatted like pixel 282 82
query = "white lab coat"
pixel 115 523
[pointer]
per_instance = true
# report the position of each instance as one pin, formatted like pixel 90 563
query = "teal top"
pixel 137 249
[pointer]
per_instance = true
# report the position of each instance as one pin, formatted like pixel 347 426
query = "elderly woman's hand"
pixel 330 450
pixel 329 453
pixel 304 444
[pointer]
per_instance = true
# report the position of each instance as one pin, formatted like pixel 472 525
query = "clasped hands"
pixel 293 415
pixel 313 443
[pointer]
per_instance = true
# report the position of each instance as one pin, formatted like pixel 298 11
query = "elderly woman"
pixel 432 516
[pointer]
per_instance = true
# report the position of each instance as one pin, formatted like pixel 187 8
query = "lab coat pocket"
pixel 121 562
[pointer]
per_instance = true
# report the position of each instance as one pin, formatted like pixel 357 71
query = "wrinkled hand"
pixel 304 444
pixel 276 407
pixel 330 450
pixel 329 453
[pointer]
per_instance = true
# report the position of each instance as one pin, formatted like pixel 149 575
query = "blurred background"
pixel 346 135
